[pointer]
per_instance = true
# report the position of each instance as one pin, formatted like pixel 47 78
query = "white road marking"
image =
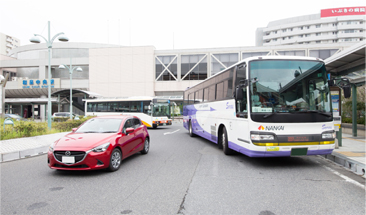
pixel 171 132
pixel 345 177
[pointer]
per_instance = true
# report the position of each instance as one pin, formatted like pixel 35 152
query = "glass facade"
pixel 253 54
pixel 161 71
pixel 194 67
pixel 292 53
pixel 322 54
pixel 222 61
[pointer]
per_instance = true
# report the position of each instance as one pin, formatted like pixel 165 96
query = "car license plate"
pixel 67 159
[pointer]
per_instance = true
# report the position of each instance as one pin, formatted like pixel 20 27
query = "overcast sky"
pixel 165 24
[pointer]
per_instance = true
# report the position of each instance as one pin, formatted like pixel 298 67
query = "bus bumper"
pixel 161 123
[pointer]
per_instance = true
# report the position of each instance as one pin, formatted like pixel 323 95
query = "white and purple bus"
pixel 270 106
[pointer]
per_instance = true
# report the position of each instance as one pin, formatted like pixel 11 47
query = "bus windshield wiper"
pixel 315 111
pixel 320 112
pixel 268 115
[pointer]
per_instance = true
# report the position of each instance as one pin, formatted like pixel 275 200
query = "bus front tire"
pixel 224 143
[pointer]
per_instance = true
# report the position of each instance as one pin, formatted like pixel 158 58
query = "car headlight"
pixel 51 147
pixel 262 137
pixel 329 135
pixel 101 148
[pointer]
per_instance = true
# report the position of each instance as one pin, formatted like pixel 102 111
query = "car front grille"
pixel 79 155
pixel 72 167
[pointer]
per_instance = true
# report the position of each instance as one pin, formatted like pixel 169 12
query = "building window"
pixel 323 54
pixel 194 67
pixel 283 30
pixel 222 61
pixel 317 26
pixel 253 54
pixel 292 53
pixel 166 68
pixel 317 34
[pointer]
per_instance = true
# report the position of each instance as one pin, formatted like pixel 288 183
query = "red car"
pixel 101 142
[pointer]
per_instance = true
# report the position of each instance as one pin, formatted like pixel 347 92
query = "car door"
pixel 127 141
pixel 139 133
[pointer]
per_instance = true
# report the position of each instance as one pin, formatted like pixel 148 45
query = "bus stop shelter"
pixel 349 63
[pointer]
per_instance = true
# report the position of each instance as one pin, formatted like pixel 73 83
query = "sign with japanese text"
pixel 38 83
pixel 343 11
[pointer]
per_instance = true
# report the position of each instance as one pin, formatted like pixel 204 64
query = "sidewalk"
pixel 351 154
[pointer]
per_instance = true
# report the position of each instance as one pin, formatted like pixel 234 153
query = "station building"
pixel 120 71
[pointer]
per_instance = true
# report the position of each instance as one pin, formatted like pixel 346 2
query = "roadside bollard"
pixel 8 121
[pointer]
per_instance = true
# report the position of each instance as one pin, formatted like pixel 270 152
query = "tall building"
pixel 8 43
pixel 330 26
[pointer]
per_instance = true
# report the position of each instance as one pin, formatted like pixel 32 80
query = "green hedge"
pixel 349 120
pixel 69 124
pixel 31 128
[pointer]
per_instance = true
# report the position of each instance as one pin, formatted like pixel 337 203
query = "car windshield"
pixel 161 109
pixel 279 86
pixel 100 125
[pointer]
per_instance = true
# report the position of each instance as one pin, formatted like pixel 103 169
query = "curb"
pixel 11 156
pixel 350 164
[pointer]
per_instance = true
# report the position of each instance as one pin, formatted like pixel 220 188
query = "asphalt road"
pixel 184 175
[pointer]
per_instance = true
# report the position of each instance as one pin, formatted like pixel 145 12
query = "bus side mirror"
pixel 347 91
pixel 239 93
pixel 331 83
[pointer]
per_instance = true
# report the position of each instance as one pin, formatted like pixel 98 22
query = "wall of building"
pixel 7 43
pixel 124 71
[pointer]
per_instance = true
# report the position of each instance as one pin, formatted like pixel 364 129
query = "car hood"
pixel 82 141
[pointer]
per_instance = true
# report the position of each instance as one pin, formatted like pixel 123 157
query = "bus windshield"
pixel 289 86
pixel 161 109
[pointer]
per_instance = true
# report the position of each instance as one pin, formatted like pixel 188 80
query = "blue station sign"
pixel 39 83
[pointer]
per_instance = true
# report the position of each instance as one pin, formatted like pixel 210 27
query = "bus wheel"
pixel 225 143
pixel 155 126
pixel 190 129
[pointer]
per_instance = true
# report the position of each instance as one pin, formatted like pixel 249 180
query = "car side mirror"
pixel 130 130
pixel 74 129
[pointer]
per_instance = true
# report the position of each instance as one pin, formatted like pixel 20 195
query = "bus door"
pixel 241 128
pixel 241 123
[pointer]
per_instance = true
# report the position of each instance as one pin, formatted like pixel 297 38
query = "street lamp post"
pixel 71 70
pixel 49 42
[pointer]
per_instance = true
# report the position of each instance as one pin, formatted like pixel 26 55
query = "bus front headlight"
pixel 329 135
pixel 259 137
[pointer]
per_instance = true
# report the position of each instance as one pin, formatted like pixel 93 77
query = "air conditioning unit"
pixel 14 78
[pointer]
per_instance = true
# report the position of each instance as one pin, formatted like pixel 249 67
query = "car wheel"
pixel 190 129
pixel 225 143
pixel 115 160
pixel 146 146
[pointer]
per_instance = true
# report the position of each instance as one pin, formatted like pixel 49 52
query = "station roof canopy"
pixel 36 101
pixel 349 63
pixel 75 92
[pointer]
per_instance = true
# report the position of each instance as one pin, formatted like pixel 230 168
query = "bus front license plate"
pixel 299 151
